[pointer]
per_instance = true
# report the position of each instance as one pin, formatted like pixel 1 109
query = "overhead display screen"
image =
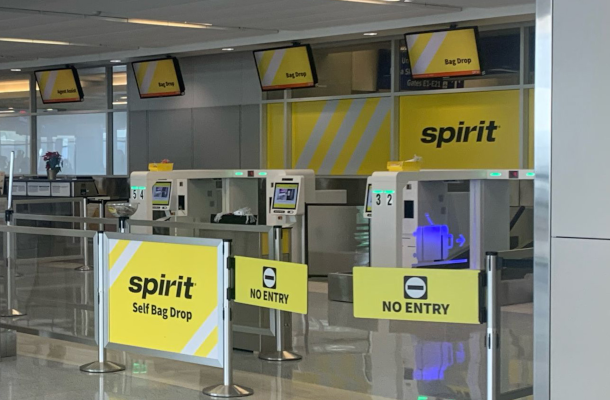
pixel 286 196
pixel 447 53
pixel 286 68
pixel 158 78
pixel 161 193
pixel 59 86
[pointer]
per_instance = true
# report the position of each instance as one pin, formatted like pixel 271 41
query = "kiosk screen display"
pixel 159 78
pixel 160 193
pixel 59 86
pixel 369 199
pixel 446 53
pixel 286 68
pixel 286 196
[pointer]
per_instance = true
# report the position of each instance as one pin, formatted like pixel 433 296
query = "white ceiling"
pixel 265 19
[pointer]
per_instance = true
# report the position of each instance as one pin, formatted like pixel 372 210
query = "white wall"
pixel 572 289
pixel 211 81
pixel 216 124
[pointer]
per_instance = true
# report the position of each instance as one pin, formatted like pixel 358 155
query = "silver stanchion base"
pixel 225 392
pixel 279 356
pixel 84 268
pixel 105 367
pixel 12 313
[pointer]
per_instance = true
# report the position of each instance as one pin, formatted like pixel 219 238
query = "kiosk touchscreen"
pixel 368 203
pixel 161 193
pixel 285 197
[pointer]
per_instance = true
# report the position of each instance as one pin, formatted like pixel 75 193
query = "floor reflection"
pixel 344 357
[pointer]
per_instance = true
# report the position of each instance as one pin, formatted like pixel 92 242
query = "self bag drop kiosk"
pixel 273 197
pixel 418 221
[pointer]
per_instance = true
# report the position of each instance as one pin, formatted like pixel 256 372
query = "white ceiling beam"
pixel 408 3
pixel 127 20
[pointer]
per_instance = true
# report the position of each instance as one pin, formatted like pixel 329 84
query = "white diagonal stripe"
pixel 316 135
pixel 274 66
pixel 48 89
pixel 123 260
pixel 381 111
pixel 342 134
pixel 202 334
pixel 148 77
pixel 112 243
pixel 429 52
pixel 213 353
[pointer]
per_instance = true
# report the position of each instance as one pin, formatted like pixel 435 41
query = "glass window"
pixel 119 87
pixel 93 81
pixel 79 138
pixel 119 137
pixel 346 70
pixel 14 94
pixel 530 54
pixel 500 57
pixel 15 136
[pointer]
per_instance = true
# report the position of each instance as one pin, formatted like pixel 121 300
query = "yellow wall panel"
pixel 341 137
pixel 462 130
pixel 530 147
pixel 275 136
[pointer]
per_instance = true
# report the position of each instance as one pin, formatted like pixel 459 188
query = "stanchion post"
pixel 228 389
pixel 102 365
pixel 493 327
pixel 279 354
pixel 123 224
pixel 102 211
pixel 10 286
pixel 85 267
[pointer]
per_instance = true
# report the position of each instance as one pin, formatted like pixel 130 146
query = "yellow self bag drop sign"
pixel 286 68
pixel 165 297
pixel 271 284
pixel 415 294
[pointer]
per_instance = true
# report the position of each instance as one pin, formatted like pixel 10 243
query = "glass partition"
pixel 15 136
pixel 354 69
pixel 79 138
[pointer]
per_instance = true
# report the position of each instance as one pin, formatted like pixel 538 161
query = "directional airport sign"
pixel 416 294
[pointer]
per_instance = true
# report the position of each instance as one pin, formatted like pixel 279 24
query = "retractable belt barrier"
pixel 439 296
pixel 172 297
pixel 184 311
pixel 277 285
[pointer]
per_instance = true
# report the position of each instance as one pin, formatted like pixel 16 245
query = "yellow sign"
pixel 415 294
pixel 59 86
pixel 165 297
pixel 286 68
pixel 271 284
pixel 461 130
pixel 159 78
pixel 444 53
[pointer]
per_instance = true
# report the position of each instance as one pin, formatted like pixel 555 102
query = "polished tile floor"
pixel 344 358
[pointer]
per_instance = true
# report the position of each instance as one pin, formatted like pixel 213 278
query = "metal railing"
pixel 188 229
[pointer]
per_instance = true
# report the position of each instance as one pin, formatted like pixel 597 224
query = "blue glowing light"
pixel 433 242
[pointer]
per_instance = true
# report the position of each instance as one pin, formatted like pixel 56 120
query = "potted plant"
pixel 54 163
